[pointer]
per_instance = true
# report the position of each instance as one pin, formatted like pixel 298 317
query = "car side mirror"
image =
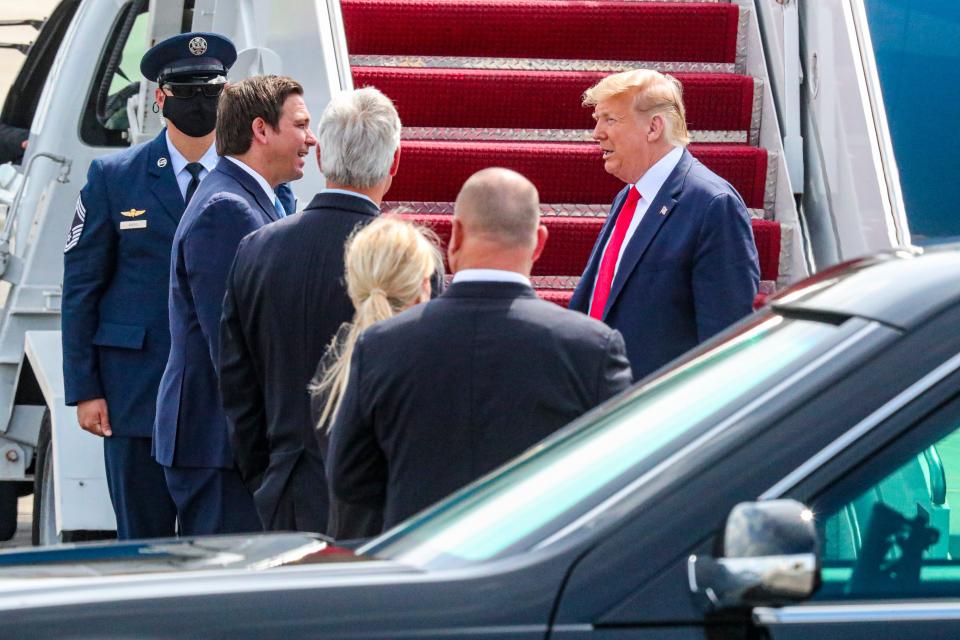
pixel 770 557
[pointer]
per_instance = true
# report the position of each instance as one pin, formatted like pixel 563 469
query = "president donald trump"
pixel 675 262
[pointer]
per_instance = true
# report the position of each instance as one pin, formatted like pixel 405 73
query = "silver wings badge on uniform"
pixel 77 227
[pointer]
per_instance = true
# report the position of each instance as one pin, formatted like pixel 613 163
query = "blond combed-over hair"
pixel 654 93
pixel 385 265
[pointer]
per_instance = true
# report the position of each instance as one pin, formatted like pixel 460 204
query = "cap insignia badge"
pixel 133 213
pixel 197 46
pixel 161 162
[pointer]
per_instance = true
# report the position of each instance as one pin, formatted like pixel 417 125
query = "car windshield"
pixel 543 494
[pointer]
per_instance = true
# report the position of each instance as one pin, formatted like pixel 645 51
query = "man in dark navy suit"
pixel 448 390
pixel 116 333
pixel 285 301
pixel 263 134
pixel 675 262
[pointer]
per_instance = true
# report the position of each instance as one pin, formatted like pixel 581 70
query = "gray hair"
pixel 500 204
pixel 358 135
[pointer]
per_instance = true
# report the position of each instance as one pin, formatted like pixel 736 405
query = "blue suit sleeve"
pixel 726 272
pixel 208 252
pixel 89 261
pixel 356 465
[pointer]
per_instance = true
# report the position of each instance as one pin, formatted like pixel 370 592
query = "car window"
pixel 893 530
pixel 105 121
pixel 548 488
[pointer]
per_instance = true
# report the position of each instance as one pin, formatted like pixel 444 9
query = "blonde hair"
pixel 654 93
pixel 385 265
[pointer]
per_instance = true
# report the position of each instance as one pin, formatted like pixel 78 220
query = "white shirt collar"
pixel 352 193
pixel 651 182
pixel 178 162
pixel 490 275
pixel 267 189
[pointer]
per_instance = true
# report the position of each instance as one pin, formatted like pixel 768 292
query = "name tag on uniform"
pixel 133 224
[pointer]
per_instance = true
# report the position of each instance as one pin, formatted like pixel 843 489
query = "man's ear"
pixel 456 242
pixel 542 234
pixel 319 161
pixel 656 127
pixel 259 127
pixel 396 162
pixel 159 96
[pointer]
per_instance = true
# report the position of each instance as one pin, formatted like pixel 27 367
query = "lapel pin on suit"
pixel 663 210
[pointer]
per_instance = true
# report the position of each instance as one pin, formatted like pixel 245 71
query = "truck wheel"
pixel 44 504
pixel 8 510
pixel 44 508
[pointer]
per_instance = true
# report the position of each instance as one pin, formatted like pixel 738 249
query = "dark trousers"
pixel 211 500
pixel 138 490
pixel 303 504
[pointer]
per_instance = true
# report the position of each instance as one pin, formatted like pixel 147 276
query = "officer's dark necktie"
pixel 194 169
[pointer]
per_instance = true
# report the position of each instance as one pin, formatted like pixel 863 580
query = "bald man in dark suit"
pixel 449 390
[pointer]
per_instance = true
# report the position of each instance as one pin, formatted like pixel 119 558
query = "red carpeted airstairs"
pixel 482 83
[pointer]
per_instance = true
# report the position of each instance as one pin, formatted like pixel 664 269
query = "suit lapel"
pixel 250 185
pixel 581 295
pixel 164 185
pixel 654 217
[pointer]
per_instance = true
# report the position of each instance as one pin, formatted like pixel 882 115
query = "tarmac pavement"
pixel 24 524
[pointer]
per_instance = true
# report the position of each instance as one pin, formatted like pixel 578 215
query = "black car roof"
pixel 901 287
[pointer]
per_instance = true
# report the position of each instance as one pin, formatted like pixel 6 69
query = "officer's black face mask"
pixel 196 116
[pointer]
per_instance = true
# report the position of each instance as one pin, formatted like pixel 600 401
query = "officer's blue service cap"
pixel 196 54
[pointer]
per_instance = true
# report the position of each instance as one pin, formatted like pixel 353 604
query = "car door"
pixel 889 529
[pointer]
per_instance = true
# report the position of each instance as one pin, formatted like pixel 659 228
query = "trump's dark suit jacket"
pixel 285 300
pixel 689 271
pixel 448 390
pixel 190 428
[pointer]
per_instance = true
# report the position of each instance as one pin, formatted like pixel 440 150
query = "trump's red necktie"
pixel 608 265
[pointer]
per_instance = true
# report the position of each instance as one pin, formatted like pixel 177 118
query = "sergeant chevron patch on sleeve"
pixel 77 227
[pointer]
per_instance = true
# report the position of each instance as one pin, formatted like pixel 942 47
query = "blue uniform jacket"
pixel 116 269
pixel 689 271
pixel 190 429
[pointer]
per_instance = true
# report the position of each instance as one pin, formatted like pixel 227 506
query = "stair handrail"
pixel 779 22
pixel 882 142
pixel 340 52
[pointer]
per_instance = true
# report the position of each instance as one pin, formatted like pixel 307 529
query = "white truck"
pixel 81 95
pixel 833 186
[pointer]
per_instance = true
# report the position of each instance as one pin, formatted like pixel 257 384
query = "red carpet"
pixel 571 239
pixel 563 172
pixel 540 99
pixel 647 31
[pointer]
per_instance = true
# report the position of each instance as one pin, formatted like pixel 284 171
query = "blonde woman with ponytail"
pixel 388 268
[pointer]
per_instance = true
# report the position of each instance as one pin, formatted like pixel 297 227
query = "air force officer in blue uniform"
pixel 675 262
pixel 263 134
pixel 116 270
